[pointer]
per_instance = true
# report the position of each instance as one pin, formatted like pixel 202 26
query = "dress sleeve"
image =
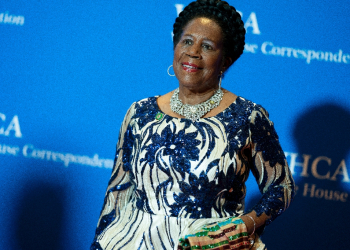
pixel 120 188
pixel 269 167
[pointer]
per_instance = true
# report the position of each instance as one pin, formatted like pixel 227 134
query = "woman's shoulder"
pixel 144 110
pixel 247 106
pixel 145 103
pixel 255 113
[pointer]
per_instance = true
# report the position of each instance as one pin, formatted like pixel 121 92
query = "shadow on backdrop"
pixel 40 217
pixel 318 216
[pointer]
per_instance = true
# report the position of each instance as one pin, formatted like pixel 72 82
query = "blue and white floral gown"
pixel 172 176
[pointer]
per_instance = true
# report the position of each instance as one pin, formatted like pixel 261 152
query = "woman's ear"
pixel 227 62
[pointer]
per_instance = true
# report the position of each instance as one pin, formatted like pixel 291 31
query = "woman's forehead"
pixel 203 27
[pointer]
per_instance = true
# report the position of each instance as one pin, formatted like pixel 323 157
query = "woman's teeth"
pixel 190 67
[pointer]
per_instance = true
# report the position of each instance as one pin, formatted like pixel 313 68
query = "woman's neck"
pixel 193 97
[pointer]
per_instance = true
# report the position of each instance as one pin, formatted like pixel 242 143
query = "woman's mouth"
pixel 190 67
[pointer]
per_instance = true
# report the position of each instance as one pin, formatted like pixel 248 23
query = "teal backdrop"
pixel 69 70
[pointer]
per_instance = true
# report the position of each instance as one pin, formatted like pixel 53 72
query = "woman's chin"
pixel 191 85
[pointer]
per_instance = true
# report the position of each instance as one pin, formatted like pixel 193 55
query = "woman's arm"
pixel 120 188
pixel 270 170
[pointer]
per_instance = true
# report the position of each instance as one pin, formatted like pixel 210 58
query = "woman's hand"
pixel 253 222
pixel 250 224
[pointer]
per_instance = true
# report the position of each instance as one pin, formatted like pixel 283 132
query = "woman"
pixel 183 158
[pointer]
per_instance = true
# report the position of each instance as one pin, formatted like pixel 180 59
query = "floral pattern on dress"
pixel 189 171
pixel 266 138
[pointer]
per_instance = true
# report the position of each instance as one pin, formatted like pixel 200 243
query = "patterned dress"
pixel 173 176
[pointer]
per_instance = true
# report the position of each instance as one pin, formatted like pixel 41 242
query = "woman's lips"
pixel 190 67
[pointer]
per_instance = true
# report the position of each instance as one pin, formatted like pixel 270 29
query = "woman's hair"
pixel 224 15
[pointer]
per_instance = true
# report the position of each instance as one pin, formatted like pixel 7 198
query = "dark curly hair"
pixel 224 15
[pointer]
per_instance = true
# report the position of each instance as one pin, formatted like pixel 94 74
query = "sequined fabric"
pixel 228 234
pixel 173 176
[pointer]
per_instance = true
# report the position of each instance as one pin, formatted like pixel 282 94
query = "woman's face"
pixel 198 57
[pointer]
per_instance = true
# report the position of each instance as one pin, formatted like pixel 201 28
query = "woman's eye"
pixel 208 47
pixel 187 41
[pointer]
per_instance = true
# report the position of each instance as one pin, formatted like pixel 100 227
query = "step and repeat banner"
pixel 69 70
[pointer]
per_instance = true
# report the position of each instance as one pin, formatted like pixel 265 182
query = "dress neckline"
pixel 179 118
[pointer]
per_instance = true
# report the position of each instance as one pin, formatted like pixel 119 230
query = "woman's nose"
pixel 194 51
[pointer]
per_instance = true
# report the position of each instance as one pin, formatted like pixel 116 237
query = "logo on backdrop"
pixel 268 48
pixel 300 167
pixel 6 18
pixel 10 127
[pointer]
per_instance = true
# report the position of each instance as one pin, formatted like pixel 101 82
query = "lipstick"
pixel 190 67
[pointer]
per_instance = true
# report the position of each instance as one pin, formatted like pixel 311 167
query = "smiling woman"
pixel 182 159
pixel 199 57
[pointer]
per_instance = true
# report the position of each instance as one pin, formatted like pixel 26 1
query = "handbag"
pixel 229 234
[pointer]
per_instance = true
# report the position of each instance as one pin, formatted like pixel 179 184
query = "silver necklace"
pixel 194 112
